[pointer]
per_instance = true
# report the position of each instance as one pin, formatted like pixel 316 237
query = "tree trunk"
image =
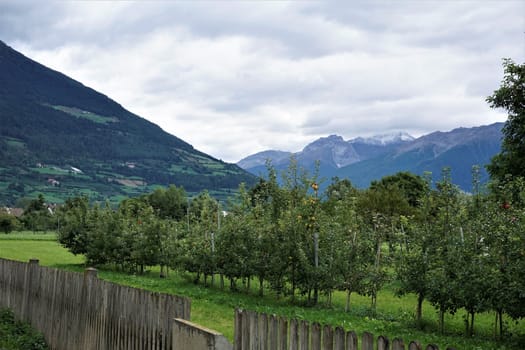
pixel 419 309
pixel 374 303
pixel 471 330
pixel 222 281
pixel 500 314
pixel 348 293
pixel 442 321
pixel 261 286
pixel 496 326
pixel 293 283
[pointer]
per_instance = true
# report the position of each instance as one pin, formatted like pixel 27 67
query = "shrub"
pixel 17 335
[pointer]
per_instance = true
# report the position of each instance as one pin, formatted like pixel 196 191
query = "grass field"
pixel 214 308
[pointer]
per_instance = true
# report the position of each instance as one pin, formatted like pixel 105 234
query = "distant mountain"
pixel 259 159
pixel 365 159
pixel 62 138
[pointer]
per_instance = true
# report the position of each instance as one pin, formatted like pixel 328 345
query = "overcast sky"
pixel 234 78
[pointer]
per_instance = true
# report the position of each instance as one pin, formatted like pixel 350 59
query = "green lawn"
pixel 214 308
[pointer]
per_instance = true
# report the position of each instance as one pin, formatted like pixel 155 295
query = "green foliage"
pixel 17 335
pixel 8 223
pixel 456 251
pixel 511 97
pixel 73 225
pixel 37 216
pixel 170 203
pixel 411 186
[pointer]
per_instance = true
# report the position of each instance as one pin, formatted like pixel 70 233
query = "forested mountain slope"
pixel 62 138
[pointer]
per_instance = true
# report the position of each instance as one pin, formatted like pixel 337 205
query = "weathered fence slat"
pixel 351 341
pixel 294 335
pixel 316 336
pixel 79 311
pixel 367 341
pixel 414 345
pixel 383 343
pixel 304 335
pixel 272 332
pixel 245 330
pixel 398 344
pixel 254 333
pixel 237 330
pixel 263 332
pixel 339 342
pixel 273 329
pixel 283 333
pixel 328 337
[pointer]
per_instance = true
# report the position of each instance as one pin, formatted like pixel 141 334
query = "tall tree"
pixel 511 97
pixel 443 251
pixel 73 228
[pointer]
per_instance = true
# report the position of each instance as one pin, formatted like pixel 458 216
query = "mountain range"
pixel 61 138
pixel 363 160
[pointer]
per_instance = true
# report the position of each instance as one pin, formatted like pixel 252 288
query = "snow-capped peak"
pixel 385 139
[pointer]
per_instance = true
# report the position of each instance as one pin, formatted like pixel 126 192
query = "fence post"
pixel 90 274
pixel 304 335
pixel 367 343
pixel 432 347
pixel 82 338
pixel 383 343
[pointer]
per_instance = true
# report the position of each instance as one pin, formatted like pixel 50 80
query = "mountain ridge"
pixel 50 119
pixel 460 148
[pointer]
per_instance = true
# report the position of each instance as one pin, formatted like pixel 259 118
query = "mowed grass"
pixel 24 246
pixel 214 308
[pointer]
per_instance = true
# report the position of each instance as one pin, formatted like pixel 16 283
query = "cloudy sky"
pixel 234 78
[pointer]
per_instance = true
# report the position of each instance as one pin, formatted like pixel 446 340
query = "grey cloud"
pixel 28 21
pixel 298 70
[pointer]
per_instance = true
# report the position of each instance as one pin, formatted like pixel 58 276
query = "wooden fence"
pixel 79 311
pixel 254 331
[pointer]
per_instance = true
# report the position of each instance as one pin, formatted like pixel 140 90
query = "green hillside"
pixel 61 138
